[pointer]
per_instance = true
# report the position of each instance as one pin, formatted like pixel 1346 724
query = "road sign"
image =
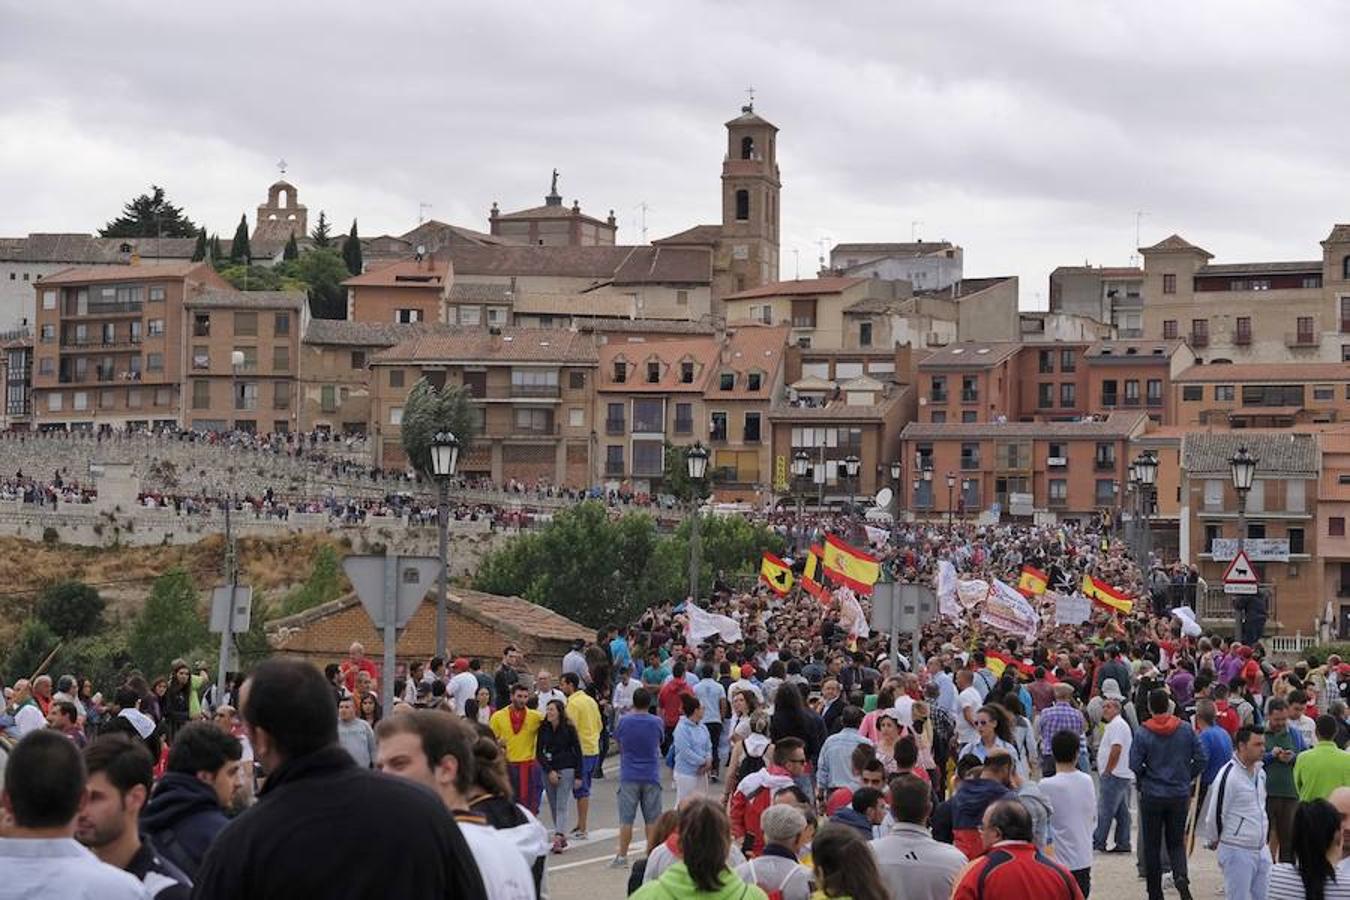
pixel 220 604
pixel 907 607
pixel 414 577
pixel 1240 577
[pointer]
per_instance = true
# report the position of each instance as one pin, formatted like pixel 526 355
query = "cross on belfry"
pixel 281 164
pixel 750 91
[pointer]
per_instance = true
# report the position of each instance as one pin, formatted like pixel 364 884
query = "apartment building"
pixel 407 291
pixel 1257 312
pixel 534 390
pixel 1109 294
pixel 970 382
pixel 1263 395
pixel 333 377
pixel 1045 471
pixel 928 265
pixel 749 375
pixel 1136 374
pixel 1333 544
pixel 1281 522
pixel 259 329
pixel 110 349
pixel 16 375
pixel 812 307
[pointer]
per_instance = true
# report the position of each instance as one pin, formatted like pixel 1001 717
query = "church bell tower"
pixel 750 191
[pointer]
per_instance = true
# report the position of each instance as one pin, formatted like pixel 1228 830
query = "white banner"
pixel 851 613
pixel 1258 549
pixel 1007 610
pixel 1189 627
pixel 971 592
pixel 703 625
pixel 946 590
pixel 876 536
pixel 1072 609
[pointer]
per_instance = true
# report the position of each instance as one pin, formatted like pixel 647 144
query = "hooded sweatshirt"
pixel 974 797
pixel 1166 756
pixel 751 797
pixel 675 884
pixel 183 818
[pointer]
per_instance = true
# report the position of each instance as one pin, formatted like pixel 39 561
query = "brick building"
pixel 1263 395
pixel 406 291
pixel 1333 511
pixel 333 377
pixel 480 625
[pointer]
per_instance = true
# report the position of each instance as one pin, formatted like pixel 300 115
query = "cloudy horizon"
pixel 1031 135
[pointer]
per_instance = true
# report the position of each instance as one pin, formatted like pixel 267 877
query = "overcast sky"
pixel 1030 133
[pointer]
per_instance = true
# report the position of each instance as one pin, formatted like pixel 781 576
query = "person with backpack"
pixel 777 871
pixel 754 793
pixel 1234 820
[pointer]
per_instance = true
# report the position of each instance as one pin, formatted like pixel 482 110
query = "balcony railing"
pixel 1215 604
pixel 1131 401
pixel 99 346
pixel 970 396
pixel 1104 465
pixel 1109 400
pixel 614 426
pixel 1057 502
pixel 970 463
pixel 534 431
pixel 718 435
pixel 1300 339
pixel 649 426
pixel 102 309
pixel 1155 401
pixel 535 390
pixel 1242 339
pixel 1197 340
pixel 938 397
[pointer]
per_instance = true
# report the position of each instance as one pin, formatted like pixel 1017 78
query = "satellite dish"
pixel 884 497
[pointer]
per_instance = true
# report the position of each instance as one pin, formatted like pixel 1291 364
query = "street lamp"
pixel 896 469
pixel 801 464
pixel 951 483
pixel 851 466
pixel 696 457
pixel 1145 468
pixel 1243 469
pixel 444 461
pixel 231 557
pixel 927 474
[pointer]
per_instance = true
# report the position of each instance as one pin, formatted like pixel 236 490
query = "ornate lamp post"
pixel 444 461
pixel 951 484
pixel 851 466
pixel 696 457
pixel 801 464
pixel 1243 469
pixel 1146 470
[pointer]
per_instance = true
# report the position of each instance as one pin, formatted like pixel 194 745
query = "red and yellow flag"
pixel 811 579
pixel 850 566
pixel 776 574
pixel 1033 581
pixel 1102 593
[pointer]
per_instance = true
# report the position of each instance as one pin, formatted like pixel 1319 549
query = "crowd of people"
pixel 808 758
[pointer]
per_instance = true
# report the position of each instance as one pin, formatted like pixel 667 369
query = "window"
pixel 246 395
pixel 154 327
pixel 742 205
pixel 201 357
pixel 1256 530
pixel 1045 362
pixel 48 334
pixel 1059 491
pixel 649 458
pixel 1336 527
pixel 201 394
pixel 246 324
pixel 576 417
pixel 686 373
pixel 938 417
pixel 1212 534
pixel 154 362
pixel 163 396
pixel 1170 329
pixel 328 399
pixel 201 325
pixel 970 456
pixel 1068 361
pixel 968 416
pixel 535 421
pixel 865 334
pixel 358 359
pixel 718 431
pixel 395 415
pixel 1105 493
pixel 1324 392
pixel 938 391
pixel 1193 392
pixel 281 323
pixel 48 298
pixel 54 401
pixel 496 315
pixel 396 378
pixel 46 366
pixel 970 390
pixel 684 418
pixel 281 395
pixel 1068 395
pixel 1105 456
pixel 754 381
pixel 1045 394
pixel 727 381
pixel 470 315
pixel 79 400
pixel 1244 330
pixel 752 428
pixel 250 355
pixel 1306 330
pixel 576 381
pixel 133 398
pixel 1154 388
pixel 281 358
pixel 804 313
pixel 1132 392
pixel 156 293
pixel 614 419
pixel 620 371
pixel 681 298
pixel 106 399
pixel 1109 397
pixel 1272 395
pixel 1296 496
pixel 653 373
pixel 1169 283
pixel 1296 540
pixel 407 317
pixel 614 459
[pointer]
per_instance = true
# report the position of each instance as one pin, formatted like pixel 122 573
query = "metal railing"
pixel 1217 605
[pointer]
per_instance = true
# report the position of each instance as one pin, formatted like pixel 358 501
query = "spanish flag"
pixel 1033 581
pixel 810 574
pixel 850 566
pixel 776 574
pixel 1103 593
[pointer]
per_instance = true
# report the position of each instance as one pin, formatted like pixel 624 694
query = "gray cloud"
pixel 1029 133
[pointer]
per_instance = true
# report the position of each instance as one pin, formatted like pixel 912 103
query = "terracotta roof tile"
pixel 701 351
pixel 1174 244
pixel 809 287
pixel 912 248
pixel 602 325
pixel 597 263
pixel 432 271
pixel 965 287
pixel 971 355
pixel 1224 372
pixel 540 345
pixel 1136 351
pixel 750 348
pixel 1117 424
pixel 699 235
pixel 343 332
pixel 142 272
pixel 1287 453
pixel 839 410
pixel 293 300
pixel 1313 267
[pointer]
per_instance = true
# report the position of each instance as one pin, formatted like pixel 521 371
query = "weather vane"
pixel 750 91
pixel 281 164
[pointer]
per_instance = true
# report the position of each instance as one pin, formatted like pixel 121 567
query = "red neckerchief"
pixel 517 719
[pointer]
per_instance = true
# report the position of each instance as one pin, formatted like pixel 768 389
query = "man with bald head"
pixel 28 715
pixel 355 662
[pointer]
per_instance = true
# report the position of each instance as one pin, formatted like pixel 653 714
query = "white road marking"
pixel 635 847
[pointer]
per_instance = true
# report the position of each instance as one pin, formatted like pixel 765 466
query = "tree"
pixel 71 609
pixel 258 278
pixel 351 251
pixel 321 235
pixel 150 215
pixel 29 649
pixel 428 411
pixel 292 251
pixel 199 251
pixel 216 252
pixel 323 272
pixel 239 248
pixel 675 478
pixel 325 582
pixel 169 626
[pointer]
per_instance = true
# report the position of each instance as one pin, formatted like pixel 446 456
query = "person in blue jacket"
pixel 691 750
pixel 1166 757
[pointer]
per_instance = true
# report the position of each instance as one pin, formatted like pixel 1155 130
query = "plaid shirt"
pixel 1062 716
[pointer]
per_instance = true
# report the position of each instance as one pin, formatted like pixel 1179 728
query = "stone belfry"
pixel 282 215
pixel 750 192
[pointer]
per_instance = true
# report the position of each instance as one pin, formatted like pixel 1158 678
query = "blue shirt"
pixel 710 696
pixel 1219 746
pixel 639 736
pixel 618 648
pixel 692 745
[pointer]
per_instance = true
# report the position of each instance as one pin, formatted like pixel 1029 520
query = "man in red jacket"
pixel 669 703
pixel 1011 867
pixel 755 792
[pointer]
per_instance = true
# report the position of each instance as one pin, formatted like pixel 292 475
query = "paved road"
pixel 583 873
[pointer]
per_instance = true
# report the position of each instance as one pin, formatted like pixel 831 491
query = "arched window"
pixel 742 205
pixel 1345 267
pixel 747 147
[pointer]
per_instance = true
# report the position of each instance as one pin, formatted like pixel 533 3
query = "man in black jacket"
pixel 394 839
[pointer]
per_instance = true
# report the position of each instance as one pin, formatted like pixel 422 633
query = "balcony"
pixel 1057 461
pixel 1110 401
pixel 1216 605
pixel 71 310
pixel 648 426
pixel 614 426
pixel 1155 401
pixel 548 391
pixel 1104 465
pixel 1131 403
pixel 718 436
pixel 525 431
pixel 1301 339
pixel 970 463
pixel 1197 339
pixel 938 397
pixel 970 396
pixel 1057 502
pixel 1242 339
pixel 93 346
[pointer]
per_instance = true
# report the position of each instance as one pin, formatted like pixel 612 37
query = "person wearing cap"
pixel 463 684
pixel 745 683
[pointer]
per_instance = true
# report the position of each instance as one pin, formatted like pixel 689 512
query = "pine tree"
pixel 239 249
pixel 320 234
pixel 292 250
pixel 351 251
pixel 199 251
pixel 216 252
pixel 150 215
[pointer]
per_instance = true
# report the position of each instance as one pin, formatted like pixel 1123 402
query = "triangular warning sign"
pixel 1240 570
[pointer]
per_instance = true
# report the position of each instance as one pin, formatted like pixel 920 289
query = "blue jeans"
pixel 1113 805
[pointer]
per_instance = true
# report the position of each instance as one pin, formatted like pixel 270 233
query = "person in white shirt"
pixel 544 691
pixel 1298 718
pixel 463 685
pixel 1073 798
pixel 1117 778
pixel 968 702
pixel 39 856
pixel 622 698
pixel 1235 821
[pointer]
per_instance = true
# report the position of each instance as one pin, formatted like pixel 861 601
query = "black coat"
pixel 324 828
pixel 558 749
pixel 183 818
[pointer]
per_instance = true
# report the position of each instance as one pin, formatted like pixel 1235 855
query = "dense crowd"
pixel 808 757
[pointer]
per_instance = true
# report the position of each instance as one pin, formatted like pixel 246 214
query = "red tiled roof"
pixel 1224 372
pixel 541 345
pixel 1117 424
pixel 700 235
pixel 88 274
pixel 1173 244
pixel 750 348
pixel 971 355
pixel 428 272
pixel 809 287
pixel 702 352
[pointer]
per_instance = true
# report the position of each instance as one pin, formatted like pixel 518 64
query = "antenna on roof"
pixel 821 242
pixel 749 107
pixel 796 264
pixel 643 209
pixel 1138 231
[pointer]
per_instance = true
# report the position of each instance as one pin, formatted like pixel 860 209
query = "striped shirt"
pixel 1286 884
